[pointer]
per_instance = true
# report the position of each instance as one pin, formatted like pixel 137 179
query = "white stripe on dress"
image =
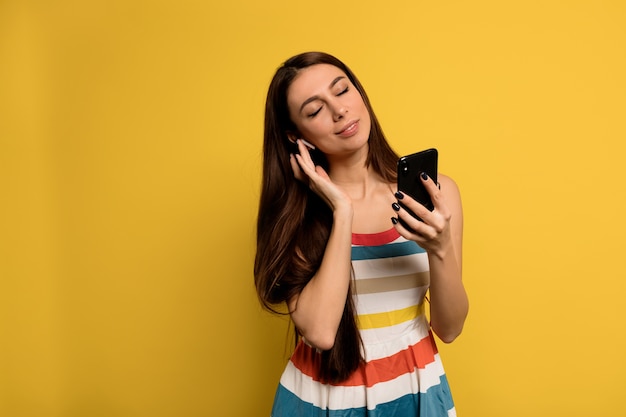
pixel 342 397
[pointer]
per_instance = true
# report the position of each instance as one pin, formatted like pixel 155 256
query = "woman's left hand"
pixel 433 232
pixel 441 234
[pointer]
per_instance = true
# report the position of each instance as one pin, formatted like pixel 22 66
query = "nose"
pixel 339 111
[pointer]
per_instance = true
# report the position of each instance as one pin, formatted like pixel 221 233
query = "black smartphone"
pixel 410 168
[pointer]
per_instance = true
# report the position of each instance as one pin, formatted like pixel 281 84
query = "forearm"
pixel 317 310
pixel 449 304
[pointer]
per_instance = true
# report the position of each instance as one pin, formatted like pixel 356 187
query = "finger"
pixel 295 166
pixel 304 150
pixel 415 206
pixel 433 188
pixel 322 172
pixel 412 229
pixel 413 224
pixel 429 183
pixel 308 167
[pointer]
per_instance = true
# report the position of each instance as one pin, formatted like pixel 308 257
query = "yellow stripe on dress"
pixel 389 318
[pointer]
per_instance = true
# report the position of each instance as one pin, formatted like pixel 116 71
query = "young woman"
pixel 330 246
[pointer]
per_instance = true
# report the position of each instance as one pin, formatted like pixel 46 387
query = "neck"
pixel 351 174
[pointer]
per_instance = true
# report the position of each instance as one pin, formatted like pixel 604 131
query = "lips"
pixel 349 128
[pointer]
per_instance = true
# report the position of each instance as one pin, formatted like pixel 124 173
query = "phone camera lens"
pixel 404 168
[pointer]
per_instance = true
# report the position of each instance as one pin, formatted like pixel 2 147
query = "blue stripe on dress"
pixel 435 402
pixel 360 253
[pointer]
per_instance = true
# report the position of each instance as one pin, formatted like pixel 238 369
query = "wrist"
pixel 343 210
pixel 443 252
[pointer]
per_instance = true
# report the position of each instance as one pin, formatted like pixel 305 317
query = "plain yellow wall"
pixel 130 142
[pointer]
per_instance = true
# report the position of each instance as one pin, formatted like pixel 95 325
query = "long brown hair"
pixel 294 223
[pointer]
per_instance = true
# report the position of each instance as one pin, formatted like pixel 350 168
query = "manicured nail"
pixel 394 220
pixel 395 206
pixel 424 176
pixel 399 195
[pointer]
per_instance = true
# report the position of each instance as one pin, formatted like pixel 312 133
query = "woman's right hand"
pixel 305 170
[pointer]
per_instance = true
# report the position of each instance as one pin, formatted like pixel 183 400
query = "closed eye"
pixel 315 113
pixel 344 91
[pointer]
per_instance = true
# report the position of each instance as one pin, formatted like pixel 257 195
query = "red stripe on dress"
pixel 375 239
pixel 307 360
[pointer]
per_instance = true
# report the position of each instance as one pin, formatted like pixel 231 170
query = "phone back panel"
pixel 410 168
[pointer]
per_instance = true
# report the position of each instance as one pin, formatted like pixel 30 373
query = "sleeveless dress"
pixel 402 375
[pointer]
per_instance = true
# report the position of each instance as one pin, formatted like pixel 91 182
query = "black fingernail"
pixel 399 195
pixel 395 206
pixel 394 220
pixel 424 176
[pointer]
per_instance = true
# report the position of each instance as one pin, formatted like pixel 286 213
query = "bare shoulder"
pixel 448 186
pixel 451 194
pixel 452 197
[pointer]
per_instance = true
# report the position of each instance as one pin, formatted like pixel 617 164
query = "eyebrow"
pixel 316 97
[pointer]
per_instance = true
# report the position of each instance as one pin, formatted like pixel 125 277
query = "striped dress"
pixel 402 375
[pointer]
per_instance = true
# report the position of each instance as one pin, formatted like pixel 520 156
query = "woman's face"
pixel 328 111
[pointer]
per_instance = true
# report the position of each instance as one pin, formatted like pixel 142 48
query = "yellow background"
pixel 130 136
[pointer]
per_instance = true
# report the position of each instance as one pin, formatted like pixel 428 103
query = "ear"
pixel 293 136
